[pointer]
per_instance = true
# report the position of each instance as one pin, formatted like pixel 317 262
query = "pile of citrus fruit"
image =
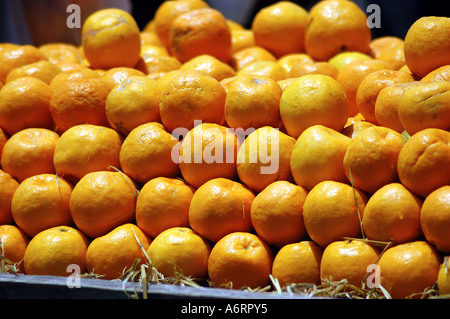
pixel 298 151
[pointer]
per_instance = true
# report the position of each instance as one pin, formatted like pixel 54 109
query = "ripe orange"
pixel 29 152
pixel 53 250
pixel 318 155
pixel 246 56
pixel 86 148
pixel 41 202
pixel 253 101
pixel 321 67
pixel 191 95
pixel 73 74
pixel 443 281
pixel 380 44
pixel 8 186
pixel 280 28
pixel 409 268
pixel 353 128
pixel 298 263
pixel 240 260
pixel 370 160
pixel 336 26
pixel 277 213
pixel 132 103
pixel 25 103
pixel 426 47
pixel 313 99
pixel 200 31
pixel 435 218
pixel 209 65
pixel 118 75
pixel 425 106
pixel 392 214
pixel 151 63
pixel 207 151
pixel 289 61
pixel 111 38
pixel 387 105
pixel 440 74
pixel 101 201
pixel 219 207
pixel 180 250
pixel 163 203
pixel 348 259
pixel 343 58
pixel 333 210
pixel 60 52
pixel 394 56
pixel 241 39
pixel 421 161
pixel 3 139
pixel 370 87
pixel 264 158
pixel 43 70
pixel 168 11
pixel 269 69
pixel 13 243
pixel 351 76
pixel 146 153
pixel 112 254
pixel 77 102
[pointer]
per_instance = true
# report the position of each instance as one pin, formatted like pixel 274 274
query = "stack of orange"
pixel 297 148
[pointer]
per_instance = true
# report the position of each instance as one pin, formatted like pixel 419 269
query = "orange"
pixel 409 268
pixel 425 106
pixel 111 38
pixel 246 56
pixel 68 66
pixel 298 263
pixel 321 67
pixel 86 148
pixel 101 201
pixel 25 103
pixel 118 75
pixel 387 105
pixel 209 65
pixel 289 61
pixel 285 82
pixel 8 186
pixel 29 152
pixel 370 161
pixel 15 56
pixel 150 37
pixel 443 281
pixel 348 259
pixel 73 74
pixel 208 151
pixel 152 49
pixel 313 99
pixel 41 202
pixel 253 101
pixel 234 25
pixel 132 103
pixel 146 153
pixel 435 218
pixel 380 44
pixel 354 128
pixel 422 159
pixel 79 101
pixel 60 52
pixel 180 250
pixel 163 203
pixel 392 214
pixel 264 158
pixel 280 28
pixel 394 56
pixel 150 63
pixel 351 75
pixel 43 70
pixel 270 69
pixel 219 207
pixel 53 250
pixel 13 243
pixel 241 39
pixel 317 156
pixel 191 95
pixel 240 260
pixel 426 47
pixel 168 11
pixel 200 31
pixel 336 26
pixel 440 74
pixel 333 210
pixel 277 213
pixel 112 254
pixel 343 58
pixel 370 87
